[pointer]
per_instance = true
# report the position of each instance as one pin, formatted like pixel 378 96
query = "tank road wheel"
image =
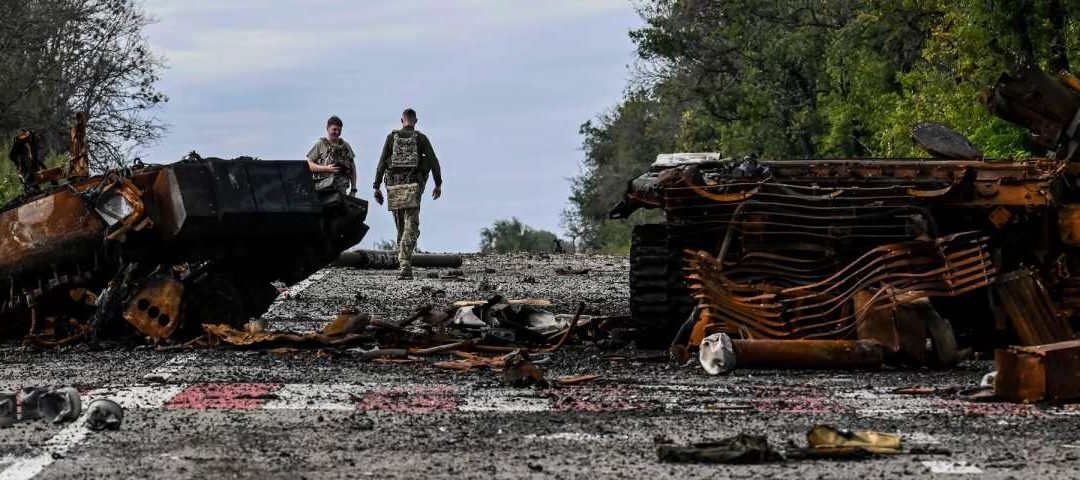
pixel 650 285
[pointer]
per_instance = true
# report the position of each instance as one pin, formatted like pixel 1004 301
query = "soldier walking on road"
pixel 331 160
pixel 407 159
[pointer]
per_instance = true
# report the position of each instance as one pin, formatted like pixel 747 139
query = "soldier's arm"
pixel 383 160
pixel 436 170
pixel 352 163
pixel 312 156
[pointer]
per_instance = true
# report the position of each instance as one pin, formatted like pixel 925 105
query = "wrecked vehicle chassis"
pixel 165 247
pixel 839 249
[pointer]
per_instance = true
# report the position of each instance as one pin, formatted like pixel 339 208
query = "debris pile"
pixel 512 337
pixel 824 442
pixel 1037 373
pixel 57 406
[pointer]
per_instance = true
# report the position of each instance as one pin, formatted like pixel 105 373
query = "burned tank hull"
pixel 166 246
pixel 840 249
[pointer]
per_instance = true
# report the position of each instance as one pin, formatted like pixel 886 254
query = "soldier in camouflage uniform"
pixel 407 159
pixel 331 160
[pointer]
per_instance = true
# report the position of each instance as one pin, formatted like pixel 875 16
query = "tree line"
pixel 806 79
pixel 58 57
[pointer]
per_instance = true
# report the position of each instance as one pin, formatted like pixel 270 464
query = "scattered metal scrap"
pixel 518 332
pixel 740 449
pixel 823 442
pixel 56 406
pixel 1036 373
pixel 720 354
pixel 104 414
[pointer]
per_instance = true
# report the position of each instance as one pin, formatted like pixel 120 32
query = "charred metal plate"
pixel 1031 374
pixel 944 142
pixel 155 309
pixel 213 199
pixel 55 228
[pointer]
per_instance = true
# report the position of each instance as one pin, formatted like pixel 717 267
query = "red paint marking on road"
pixel 223 396
pixel 425 399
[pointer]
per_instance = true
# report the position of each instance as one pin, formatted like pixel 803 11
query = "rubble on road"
pixel 740 449
pixel 824 442
pixel 827 441
pixel 60 405
pixel 8 414
pixel 1036 373
pixel 517 330
pixel 104 414
pixel 720 354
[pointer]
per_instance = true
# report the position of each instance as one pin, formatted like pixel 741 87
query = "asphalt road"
pixel 310 414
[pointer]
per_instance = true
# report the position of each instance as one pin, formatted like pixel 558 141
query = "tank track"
pixel 659 298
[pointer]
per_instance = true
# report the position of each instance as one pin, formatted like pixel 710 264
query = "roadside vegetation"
pixel 804 79
pixel 509 236
pixel 66 56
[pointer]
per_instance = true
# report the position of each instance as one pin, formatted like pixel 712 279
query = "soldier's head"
pixel 408 118
pixel 333 128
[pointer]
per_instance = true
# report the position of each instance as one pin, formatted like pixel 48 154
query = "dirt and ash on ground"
pixel 330 414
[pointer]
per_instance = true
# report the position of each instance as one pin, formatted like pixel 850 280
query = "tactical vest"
pixel 338 155
pixel 404 159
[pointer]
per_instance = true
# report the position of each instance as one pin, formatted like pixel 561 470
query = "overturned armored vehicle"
pixel 951 248
pixel 163 248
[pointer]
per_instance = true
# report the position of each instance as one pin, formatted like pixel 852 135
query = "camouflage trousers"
pixel 407 221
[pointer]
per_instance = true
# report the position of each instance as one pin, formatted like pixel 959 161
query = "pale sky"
pixel 501 87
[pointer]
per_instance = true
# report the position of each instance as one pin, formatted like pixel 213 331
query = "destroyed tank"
pixel 163 248
pixel 954 247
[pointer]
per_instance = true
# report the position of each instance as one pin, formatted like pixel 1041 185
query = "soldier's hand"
pixel 435 194
pixel 332 168
pixel 378 196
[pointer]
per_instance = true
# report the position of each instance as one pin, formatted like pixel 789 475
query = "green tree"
pixel 806 78
pixel 58 57
pixel 509 236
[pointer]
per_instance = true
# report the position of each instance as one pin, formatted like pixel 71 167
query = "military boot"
pixel 405 252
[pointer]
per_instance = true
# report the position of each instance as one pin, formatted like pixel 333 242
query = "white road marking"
pixel 138 397
pixel 300 286
pixel 56 447
pixel 75 432
pixel 952 468
pixel 919 438
pixel 170 368
pixel 576 437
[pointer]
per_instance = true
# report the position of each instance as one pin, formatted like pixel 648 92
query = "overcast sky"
pixel 501 87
